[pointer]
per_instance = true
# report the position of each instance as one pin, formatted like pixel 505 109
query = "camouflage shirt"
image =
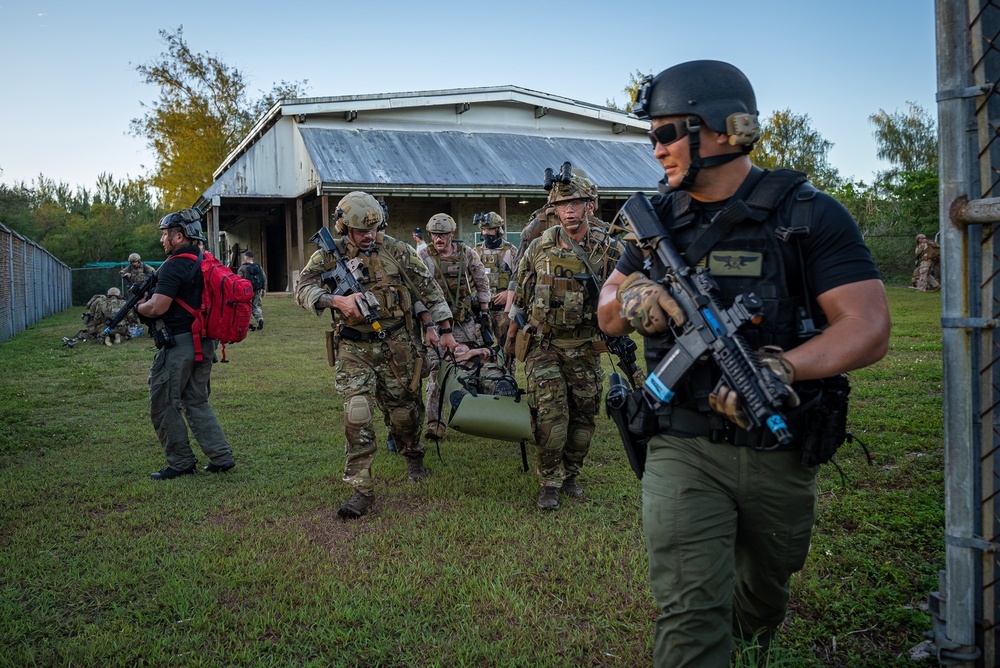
pixel 457 274
pixel 392 273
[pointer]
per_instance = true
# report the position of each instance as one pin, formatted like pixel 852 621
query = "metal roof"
pixel 448 162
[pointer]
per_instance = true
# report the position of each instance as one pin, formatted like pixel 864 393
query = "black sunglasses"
pixel 668 133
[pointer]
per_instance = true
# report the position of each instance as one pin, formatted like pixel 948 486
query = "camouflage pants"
pixel 925 277
pixel 500 322
pixel 256 313
pixel 370 373
pixel 564 392
pixel 467 333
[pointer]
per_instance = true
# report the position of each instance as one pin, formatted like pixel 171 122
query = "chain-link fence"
pixel 33 284
pixel 967 607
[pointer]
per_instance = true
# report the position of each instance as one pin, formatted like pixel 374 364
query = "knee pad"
pixel 357 411
pixel 403 418
pixel 552 436
pixel 581 438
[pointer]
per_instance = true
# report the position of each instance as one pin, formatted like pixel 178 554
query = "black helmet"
pixel 716 92
pixel 707 92
pixel 187 219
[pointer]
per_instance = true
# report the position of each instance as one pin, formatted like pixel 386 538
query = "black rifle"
pixel 708 329
pixel 137 292
pixel 345 279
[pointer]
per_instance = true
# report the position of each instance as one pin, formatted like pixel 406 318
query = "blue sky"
pixel 69 88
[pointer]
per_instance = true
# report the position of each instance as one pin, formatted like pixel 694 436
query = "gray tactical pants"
pixel 178 389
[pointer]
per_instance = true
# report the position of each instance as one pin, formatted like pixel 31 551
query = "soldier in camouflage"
pixel 136 272
pixel 557 344
pixel 462 277
pixel 99 309
pixel 499 259
pixel 375 365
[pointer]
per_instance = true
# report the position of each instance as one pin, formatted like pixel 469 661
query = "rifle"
pixel 708 329
pixel 345 279
pixel 137 292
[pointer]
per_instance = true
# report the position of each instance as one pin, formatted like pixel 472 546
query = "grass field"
pixel 101 566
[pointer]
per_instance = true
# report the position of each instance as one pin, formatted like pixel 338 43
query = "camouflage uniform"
pixel 453 274
pixel 99 309
pixel 136 274
pixel 499 264
pixel 928 255
pixel 371 370
pixel 562 367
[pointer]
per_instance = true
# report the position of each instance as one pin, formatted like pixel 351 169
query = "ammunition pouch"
pixel 162 336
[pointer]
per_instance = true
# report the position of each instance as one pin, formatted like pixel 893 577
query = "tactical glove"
pixel 726 402
pixel 646 305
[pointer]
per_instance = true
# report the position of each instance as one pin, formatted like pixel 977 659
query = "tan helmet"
pixel 579 187
pixel 488 221
pixel 134 257
pixel 114 292
pixel 359 211
pixel 441 223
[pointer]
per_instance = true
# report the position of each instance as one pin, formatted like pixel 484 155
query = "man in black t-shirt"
pixel 178 385
pixel 727 511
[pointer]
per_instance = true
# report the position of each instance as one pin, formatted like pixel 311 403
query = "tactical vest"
pixel 381 278
pixel 749 256
pixel 452 275
pixel 559 301
pixel 496 271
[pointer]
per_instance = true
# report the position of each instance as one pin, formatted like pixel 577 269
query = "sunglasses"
pixel 668 133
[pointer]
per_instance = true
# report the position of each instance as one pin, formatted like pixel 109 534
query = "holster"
pixel 826 429
pixel 625 408
pixel 522 343
pixel 331 347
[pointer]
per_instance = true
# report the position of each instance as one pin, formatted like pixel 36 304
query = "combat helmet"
pixel 568 184
pixel 357 210
pixel 441 223
pixel 708 92
pixel 114 292
pixel 188 220
pixel 134 257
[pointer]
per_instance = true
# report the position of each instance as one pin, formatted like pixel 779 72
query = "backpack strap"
pixel 198 326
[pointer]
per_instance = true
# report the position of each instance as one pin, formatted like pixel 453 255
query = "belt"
pixel 352 334
pixel 687 423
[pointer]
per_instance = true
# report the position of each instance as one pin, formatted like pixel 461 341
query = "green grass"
pixel 100 566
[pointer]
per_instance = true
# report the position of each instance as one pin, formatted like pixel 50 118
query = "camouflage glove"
pixel 646 305
pixel 726 402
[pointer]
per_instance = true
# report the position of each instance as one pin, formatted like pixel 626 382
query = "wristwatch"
pixel 444 330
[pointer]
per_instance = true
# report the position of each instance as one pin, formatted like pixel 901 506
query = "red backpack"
pixel 225 304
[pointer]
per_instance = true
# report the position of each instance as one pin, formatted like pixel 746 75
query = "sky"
pixel 69 86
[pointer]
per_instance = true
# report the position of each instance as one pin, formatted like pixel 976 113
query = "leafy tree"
pixel 202 112
pixel 788 140
pixel 630 90
pixel 906 139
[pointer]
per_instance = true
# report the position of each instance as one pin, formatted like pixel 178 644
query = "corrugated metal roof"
pixel 472 162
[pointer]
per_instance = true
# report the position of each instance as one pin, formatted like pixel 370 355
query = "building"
pixel 460 152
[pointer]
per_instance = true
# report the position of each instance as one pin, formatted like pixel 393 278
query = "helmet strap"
pixel 697 162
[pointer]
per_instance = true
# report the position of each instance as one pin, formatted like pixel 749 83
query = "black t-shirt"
pixel 835 253
pixel 179 278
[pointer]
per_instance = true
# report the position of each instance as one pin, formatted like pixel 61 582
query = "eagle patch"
pixel 736 263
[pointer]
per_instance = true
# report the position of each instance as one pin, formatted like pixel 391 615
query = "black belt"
pixel 687 423
pixel 352 334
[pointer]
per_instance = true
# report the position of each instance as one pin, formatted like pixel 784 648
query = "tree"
pixel 630 90
pixel 906 139
pixel 202 113
pixel 788 140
